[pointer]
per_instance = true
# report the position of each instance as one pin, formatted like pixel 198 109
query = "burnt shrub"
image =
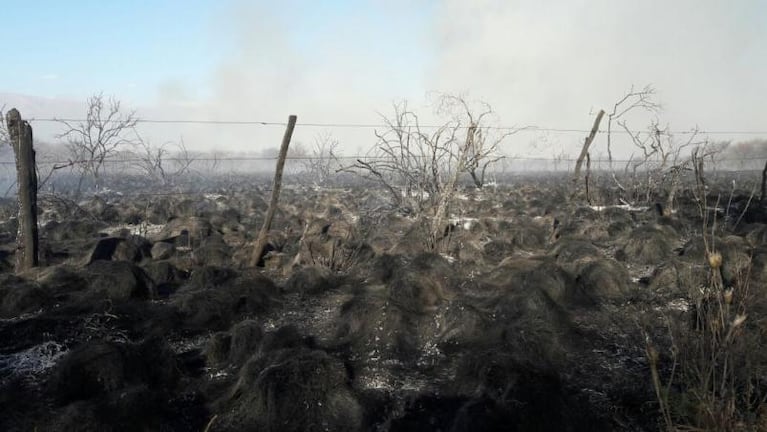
pixel 19 296
pixel 483 414
pixel 496 250
pixel 676 278
pixel 165 275
pixel 118 280
pixel 370 323
pixel 601 280
pixel 233 299
pixel 385 266
pixel 296 389
pixel 422 284
pixel 735 251
pixel 213 251
pixel 399 318
pixel 132 248
pixel 428 412
pixel 649 244
pixel 245 340
pixel 217 349
pixel 72 229
pixel 98 368
pixel 518 397
pixel 311 280
pixel 525 275
pixel 569 251
pixel 527 234
pixel 237 345
pixel 209 277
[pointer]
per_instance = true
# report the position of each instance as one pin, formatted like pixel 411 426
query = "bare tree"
pixel 161 163
pixel 5 138
pixel 106 129
pixel 321 162
pixel 420 169
pixel 484 145
pixel 414 163
pixel 408 161
pixel 656 165
pixel 632 101
pixel 661 166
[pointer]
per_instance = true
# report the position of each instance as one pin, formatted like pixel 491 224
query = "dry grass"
pixel 712 377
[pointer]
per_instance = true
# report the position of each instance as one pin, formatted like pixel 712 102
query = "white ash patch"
pixel 34 360
pixel 626 207
pixel 188 344
pixel 215 374
pixel 375 382
pixel 448 258
pixel 464 222
pixel 145 230
pixel 430 354
pixel 415 194
pixel 22 317
pixel 680 304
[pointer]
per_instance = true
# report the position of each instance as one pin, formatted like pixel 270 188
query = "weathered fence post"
pixel 584 152
pixel 20 133
pixel 261 240
pixel 764 184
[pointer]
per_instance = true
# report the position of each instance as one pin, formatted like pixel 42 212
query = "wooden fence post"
pixel 764 184
pixel 27 245
pixel 261 240
pixel 584 152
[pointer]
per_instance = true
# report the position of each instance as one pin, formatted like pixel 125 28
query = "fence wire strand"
pixel 382 125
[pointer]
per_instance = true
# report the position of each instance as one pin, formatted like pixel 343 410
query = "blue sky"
pixel 138 49
pixel 125 47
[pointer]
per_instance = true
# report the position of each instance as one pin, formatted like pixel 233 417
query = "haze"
pixel 550 64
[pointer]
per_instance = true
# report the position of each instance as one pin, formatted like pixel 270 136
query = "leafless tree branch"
pixel 106 129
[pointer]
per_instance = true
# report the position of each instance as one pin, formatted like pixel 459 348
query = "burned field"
pixel 525 314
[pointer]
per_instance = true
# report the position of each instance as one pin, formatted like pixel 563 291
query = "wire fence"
pixel 56 170
pixel 383 126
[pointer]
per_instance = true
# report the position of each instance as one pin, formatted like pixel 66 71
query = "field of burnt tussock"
pixel 525 314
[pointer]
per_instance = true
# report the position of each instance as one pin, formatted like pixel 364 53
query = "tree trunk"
pixel 258 251
pixel 27 239
pixel 440 214
pixel 478 183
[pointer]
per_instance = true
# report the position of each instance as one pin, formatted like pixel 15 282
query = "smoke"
pixel 554 63
pixel 325 66
pixel 550 64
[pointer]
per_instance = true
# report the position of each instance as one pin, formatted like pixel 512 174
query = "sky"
pixel 543 63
